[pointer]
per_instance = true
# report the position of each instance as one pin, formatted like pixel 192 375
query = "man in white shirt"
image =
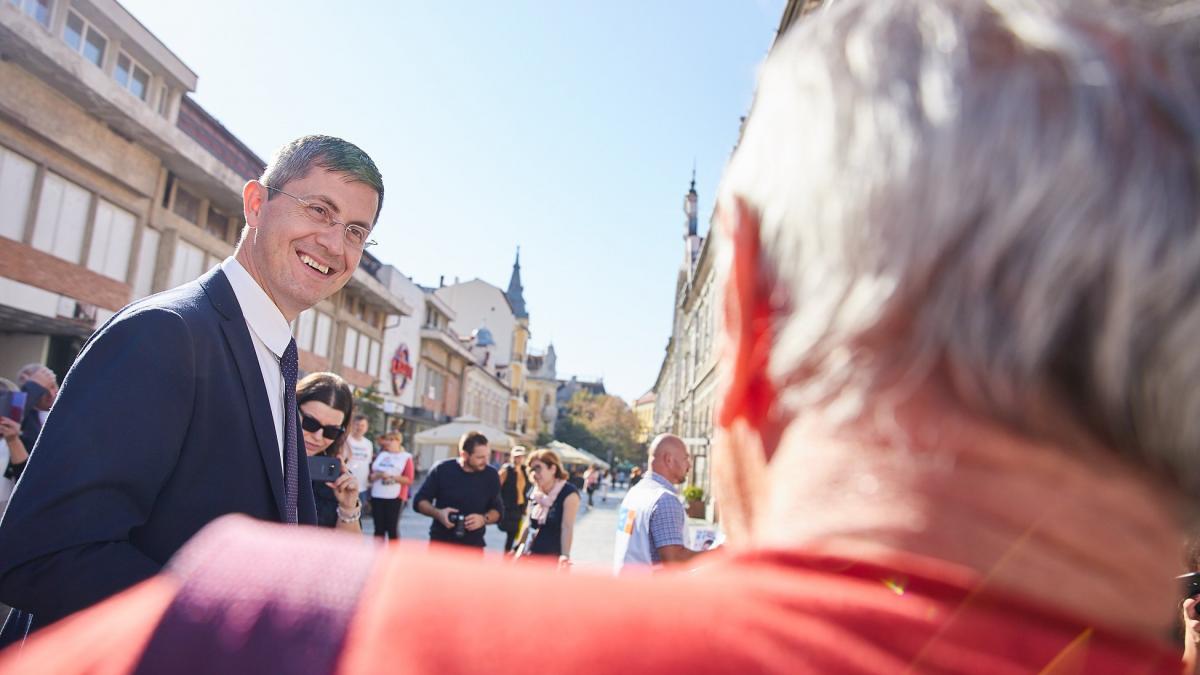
pixel 651 520
pixel 181 408
pixel 361 453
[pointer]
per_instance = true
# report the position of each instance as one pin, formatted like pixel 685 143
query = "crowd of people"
pixel 959 244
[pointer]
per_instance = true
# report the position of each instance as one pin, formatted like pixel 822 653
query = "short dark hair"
pixel 334 392
pixel 359 416
pixel 471 440
pixel 297 158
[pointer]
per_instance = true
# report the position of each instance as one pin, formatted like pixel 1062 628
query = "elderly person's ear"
pixel 749 391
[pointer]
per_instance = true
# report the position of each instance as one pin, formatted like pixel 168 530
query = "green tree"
pixel 603 425
pixel 369 402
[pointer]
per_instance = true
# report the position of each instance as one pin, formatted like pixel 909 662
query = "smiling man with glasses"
pixel 209 371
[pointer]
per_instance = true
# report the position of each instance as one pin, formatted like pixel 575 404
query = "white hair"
pixel 1004 191
pixel 28 371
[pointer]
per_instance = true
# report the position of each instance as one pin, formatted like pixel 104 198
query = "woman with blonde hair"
pixel 553 505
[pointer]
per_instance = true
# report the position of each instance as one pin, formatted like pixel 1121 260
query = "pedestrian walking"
pixel 390 475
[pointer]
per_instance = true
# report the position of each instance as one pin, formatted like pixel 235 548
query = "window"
pixel 147 255
pixel 112 240
pixel 434 384
pixel 61 218
pixel 361 357
pixel 16 186
pixel 217 224
pixel 374 358
pixel 132 76
pixel 321 339
pixel 38 9
pixel 304 329
pixel 164 100
pixel 187 205
pixel 187 264
pixel 84 38
pixel 349 347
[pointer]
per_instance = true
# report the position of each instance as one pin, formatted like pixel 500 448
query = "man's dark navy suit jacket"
pixel 162 425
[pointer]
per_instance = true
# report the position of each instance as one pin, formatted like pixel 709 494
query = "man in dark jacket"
pixel 514 491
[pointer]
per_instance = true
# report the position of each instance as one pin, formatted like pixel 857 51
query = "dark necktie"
pixel 289 367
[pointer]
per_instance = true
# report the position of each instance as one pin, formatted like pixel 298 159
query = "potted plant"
pixel 694 496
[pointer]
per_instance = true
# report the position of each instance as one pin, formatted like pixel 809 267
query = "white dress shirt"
pixel 269 332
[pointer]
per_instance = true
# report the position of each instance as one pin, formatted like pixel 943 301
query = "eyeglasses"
pixel 536 467
pixel 312 425
pixel 356 235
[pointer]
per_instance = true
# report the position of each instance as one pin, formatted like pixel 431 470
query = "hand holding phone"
pixel 12 405
pixel 324 469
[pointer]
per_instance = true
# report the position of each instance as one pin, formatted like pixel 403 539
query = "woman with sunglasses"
pixel 326 404
pixel 554 504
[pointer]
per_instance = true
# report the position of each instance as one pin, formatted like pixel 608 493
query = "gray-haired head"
pixel 1002 192
pixel 28 371
pixel 295 159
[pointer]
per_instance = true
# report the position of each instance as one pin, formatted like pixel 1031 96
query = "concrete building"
pixel 116 185
pixel 480 306
pixel 485 396
pixel 541 391
pixel 684 390
pixel 443 360
pixel 643 409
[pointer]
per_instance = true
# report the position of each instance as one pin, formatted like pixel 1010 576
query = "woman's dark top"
pixel 549 536
pixel 327 504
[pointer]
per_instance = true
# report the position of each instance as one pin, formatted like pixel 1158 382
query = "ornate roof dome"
pixel 483 337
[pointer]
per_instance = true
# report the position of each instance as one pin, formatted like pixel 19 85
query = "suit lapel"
pixel 237 335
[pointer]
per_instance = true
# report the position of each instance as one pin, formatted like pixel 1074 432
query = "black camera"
pixel 1189 584
pixel 460 524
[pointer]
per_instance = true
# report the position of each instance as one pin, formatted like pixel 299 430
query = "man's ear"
pixel 254 200
pixel 748 392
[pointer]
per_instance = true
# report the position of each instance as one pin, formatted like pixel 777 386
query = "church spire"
pixel 515 292
pixel 690 207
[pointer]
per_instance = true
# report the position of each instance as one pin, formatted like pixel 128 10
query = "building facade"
pixel 116 184
pixel 683 398
pixel 643 409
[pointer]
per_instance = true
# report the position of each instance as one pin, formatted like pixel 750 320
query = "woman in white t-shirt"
pixel 391 474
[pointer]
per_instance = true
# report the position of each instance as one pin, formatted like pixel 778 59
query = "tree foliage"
pixel 603 425
pixel 369 402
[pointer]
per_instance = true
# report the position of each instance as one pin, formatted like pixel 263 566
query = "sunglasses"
pixel 313 425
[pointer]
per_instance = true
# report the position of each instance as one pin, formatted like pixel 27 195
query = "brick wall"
pixel 311 363
pixel 31 266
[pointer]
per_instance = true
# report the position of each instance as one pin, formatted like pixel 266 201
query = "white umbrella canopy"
pixel 573 455
pixel 438 443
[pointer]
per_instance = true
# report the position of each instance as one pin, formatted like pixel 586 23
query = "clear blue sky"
pixel 567 128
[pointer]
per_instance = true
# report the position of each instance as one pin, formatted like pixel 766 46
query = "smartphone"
pixel 324 469
pixel 12 405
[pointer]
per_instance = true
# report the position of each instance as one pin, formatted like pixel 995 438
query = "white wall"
pixel 18 350
pixel 402 330
pixel 477 303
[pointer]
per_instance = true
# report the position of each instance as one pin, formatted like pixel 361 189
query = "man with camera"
pixel 462 495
